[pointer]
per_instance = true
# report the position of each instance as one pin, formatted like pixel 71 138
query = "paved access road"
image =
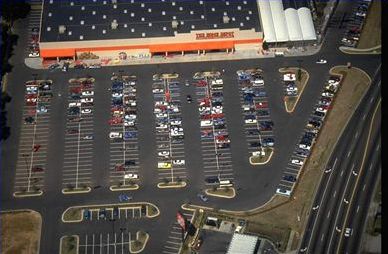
pixel 264 181
pixel 347 171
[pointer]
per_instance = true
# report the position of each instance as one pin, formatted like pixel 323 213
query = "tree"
pixel 14 10
pixel 299 75
pixel 265 45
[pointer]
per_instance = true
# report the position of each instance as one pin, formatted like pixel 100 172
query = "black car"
pixel 189 99
pixel 212 179
pixel 130 163
pixel 29 120
pixel 221 126
pixel 289 178
pixel 217 94
pixel 320 114
pixel 262 113
pixel 79 66
pixel 253 132
pixel 255 144
pixel 223 145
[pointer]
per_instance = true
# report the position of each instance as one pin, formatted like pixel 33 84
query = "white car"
pixel 348 232
pixel 33 89
pixel 161 126
pixel 320 109
pixel 178 162
pixel 117 95
pixel 31 100
pixel 131 103
pixel 86 100
pixel 87 93
pixel 129 122
pixel 258 82
pixel 131 176
pixel 164 153
pixel 250 120
pixel 284 192
pixel 174 109
pixel 158 90
pixel 247 107
pixel 297 162
pixel 205 123
pixel 201 109
pixel 321 61
pixel 33 54
pixel 86 111
pixel 161 103
pixel 304 146
pixel 130 117
pixel 292 89
pixel 161 115
pixel 217 82
pixel 87 137
pixel 158 110
pixel 113 135
pixel 327 94
pixel 95 66
pixel 176 122
pixel 74 104
pixel 217 110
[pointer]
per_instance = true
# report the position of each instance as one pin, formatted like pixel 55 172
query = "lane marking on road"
pixel 358 208
pixel 328 214
pixel 349 153
pixel 335 192
pixel 363 118
pixel 377 148
pixel 358 177
pixel 322 237
pixel 363 188
pixel 357 134
pixel 342 172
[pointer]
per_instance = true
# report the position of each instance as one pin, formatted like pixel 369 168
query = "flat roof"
pixel 92 19
pixel 243 244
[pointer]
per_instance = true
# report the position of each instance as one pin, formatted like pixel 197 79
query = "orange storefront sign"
pixel 46 53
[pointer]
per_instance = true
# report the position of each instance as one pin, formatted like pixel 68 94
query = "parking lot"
pixel 115 213
pixel 105 243
pixel 215 142
pixel 124 149
pixel 174 240
pixel 309 136
pixel 32 156
pixel 258 125
pixel 78 158
pixel 171 163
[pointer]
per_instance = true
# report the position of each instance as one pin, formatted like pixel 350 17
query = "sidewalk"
pixel 36 63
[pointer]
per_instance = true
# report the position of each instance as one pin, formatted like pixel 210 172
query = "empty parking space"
pixel 34 137
pixel 258 125
pixel 169 131
pixel 215 142
pixel 124 151
pixel 105 243
pixel 114 213
pixel 78 157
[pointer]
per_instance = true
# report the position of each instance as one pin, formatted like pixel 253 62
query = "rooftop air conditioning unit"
pixel 114 24
pixel 174 24
pixel 61 29
pixel 114 1
pixel 225 19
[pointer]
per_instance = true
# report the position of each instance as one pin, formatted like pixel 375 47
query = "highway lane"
pixel 333 193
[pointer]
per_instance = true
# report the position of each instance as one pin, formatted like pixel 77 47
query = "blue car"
pixel 130 134
pixel 87 214
pixel 260 93
pixel 123 198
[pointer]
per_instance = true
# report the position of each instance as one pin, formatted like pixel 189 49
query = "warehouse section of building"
pixel 139 28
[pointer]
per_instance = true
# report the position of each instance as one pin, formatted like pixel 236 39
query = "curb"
pixel 143 247
pixel 115 188
pixel 68 192
pixel 30 194
pixel 261 163
pixel 220 195
pixel 160 185
pixel 355 51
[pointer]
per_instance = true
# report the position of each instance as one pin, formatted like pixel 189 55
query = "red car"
pixel 31 103
pixel 119 167
pixel 31 96
pixel 215 116
pixel 116 108
pixel 37 169
pixel 86 86
pixel 115 121
pixel 206 117
pixel 75 90
pixel 201 83
pixel 262 104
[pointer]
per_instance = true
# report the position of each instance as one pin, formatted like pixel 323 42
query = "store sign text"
pixel 217 35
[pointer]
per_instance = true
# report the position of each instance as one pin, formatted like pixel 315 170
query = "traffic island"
pixel 20 231
pixel 127 187
pixel 175 184
pixel 290 102
pixel 69 244
pixel 223 192
pixel 262 158
pixel 79 190
pixel 24 194
pixel 74 214
pixel 139 244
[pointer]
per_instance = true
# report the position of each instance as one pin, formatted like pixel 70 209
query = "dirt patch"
pixel 371 33
pixel 20 232
pixel 227 192
pixel 69 244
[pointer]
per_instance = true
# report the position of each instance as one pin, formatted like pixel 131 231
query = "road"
pixel 53 202
pixel 334 201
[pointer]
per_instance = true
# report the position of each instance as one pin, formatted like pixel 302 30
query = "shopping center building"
pixel 140 29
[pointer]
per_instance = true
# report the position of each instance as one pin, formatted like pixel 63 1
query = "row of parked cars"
pixel 123 108
pixel 34 43
pixel 38 95
pixel 355 25
pixel 312 128
pixel 168 120
pixel 290 88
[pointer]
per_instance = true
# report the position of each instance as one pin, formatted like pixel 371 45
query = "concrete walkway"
pixel 36 63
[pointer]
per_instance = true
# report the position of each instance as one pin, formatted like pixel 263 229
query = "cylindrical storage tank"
pixel 279 20
pixel 293 25
pixel 306 24
pixel 266 21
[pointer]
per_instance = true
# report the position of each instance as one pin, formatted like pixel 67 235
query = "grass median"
pixel 139 244
pixel 290 102
pixel 277 218
pixel 224 192
pixel 69 244
pixel 20 232
pixel 262 159
pixel 371 32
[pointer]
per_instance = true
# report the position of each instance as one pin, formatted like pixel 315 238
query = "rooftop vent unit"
pixel 61 29
pixel 114 24
pixel 225 19
pixel 114 1
pixel 174 24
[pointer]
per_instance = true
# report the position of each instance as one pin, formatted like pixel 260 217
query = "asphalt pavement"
pixel 256 186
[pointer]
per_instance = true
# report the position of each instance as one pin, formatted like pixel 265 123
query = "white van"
pixel 279 53
pixel 226 183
